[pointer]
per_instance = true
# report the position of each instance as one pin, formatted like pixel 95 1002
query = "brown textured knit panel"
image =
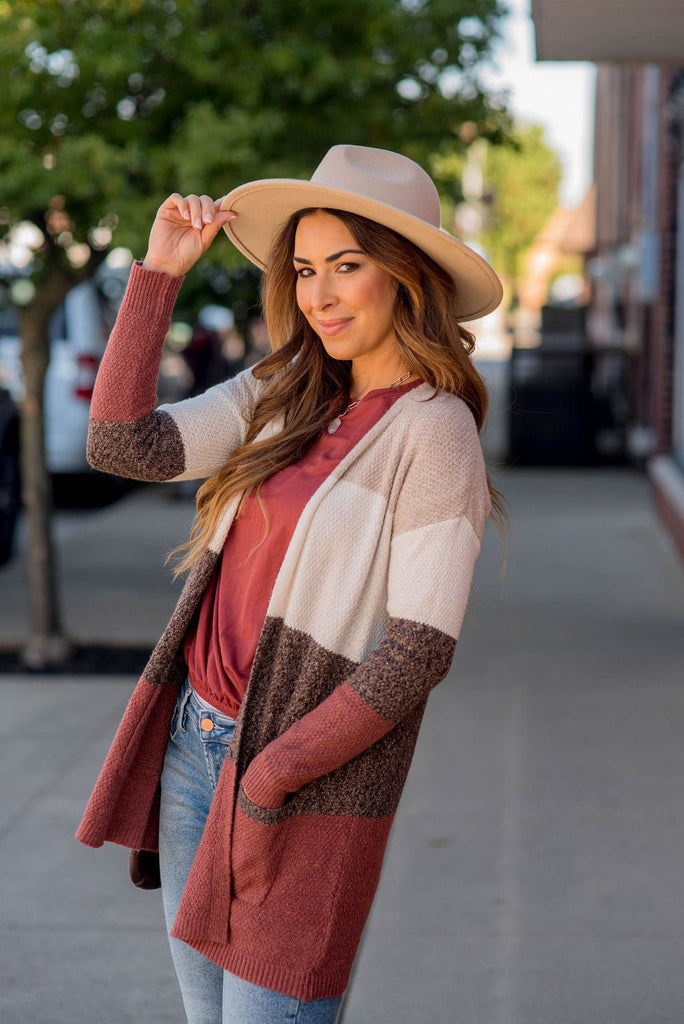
pixel 150 448
pixel 410 661
pixel 305 672
pixel 370 783
pixel 167 664
pixel 367 786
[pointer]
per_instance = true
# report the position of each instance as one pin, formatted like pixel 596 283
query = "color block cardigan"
pixel 362 623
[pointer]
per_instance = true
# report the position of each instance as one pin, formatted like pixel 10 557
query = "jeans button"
pixel 206 724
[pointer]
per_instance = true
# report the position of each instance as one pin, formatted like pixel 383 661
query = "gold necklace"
pixel 335 424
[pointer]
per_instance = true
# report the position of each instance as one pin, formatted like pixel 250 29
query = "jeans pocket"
pixel 173 728
pixel 257 849
pixel 179 711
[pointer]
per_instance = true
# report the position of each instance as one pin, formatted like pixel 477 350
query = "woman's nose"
pixel 323 294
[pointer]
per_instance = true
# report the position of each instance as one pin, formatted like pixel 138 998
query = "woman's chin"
pixel 339 349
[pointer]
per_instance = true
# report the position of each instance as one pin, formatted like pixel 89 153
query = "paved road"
pixel 534 871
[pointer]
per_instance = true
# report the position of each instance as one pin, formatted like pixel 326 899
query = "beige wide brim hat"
pixel 375 183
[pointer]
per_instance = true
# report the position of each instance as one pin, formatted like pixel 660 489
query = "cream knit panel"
pixel 424 463
pixel 213 424
pixel 430 575
pixel 445 476
pixel 427 461
pixel 332 584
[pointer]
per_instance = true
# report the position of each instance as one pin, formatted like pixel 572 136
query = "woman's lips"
pixel 333 326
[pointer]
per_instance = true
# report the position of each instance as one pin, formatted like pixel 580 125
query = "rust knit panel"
pixel 294 924
pixel 126 385
pixel 122 806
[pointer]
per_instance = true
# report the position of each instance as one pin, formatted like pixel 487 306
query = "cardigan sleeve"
pixel 438 525
pixel 128 434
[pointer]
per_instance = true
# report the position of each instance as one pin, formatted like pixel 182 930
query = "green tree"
pixel 524 182
pixel 109 105
pixel 519 191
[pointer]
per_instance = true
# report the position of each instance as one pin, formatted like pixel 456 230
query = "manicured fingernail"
pixel 186 214
pixel 198 223
pixel 208 217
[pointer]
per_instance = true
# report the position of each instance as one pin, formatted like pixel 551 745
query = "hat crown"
pixel 381 175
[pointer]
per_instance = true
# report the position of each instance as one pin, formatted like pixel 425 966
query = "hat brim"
pixel 263 207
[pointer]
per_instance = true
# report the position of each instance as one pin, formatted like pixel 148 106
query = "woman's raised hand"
pixel 183 230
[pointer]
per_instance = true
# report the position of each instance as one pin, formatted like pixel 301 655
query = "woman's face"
pixel 346 297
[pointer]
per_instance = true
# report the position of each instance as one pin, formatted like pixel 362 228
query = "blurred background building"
pixel 635 255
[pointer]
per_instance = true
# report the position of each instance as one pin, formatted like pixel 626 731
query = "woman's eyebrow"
pixel 329 259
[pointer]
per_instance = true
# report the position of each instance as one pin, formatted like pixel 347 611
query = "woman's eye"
pixel 344 268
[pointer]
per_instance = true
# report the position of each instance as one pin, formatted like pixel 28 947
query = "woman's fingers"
pixel 204 210
pixel 195 207
pixel 207 206
pixel 183 230
pixel 175 204
pixel 197 210
pixel 222 217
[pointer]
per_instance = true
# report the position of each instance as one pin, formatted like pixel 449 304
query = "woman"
pixel 329 570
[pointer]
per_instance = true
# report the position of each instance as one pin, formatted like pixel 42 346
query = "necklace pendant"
pixel 334 425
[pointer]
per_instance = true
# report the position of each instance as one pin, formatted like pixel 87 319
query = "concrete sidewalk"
pixel 114 587
pixel 534 871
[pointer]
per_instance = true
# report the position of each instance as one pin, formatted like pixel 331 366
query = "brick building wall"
pixel 639 156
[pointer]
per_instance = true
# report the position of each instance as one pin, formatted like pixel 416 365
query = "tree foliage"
pixel 524 182
pixel 520 190
pixel 109 105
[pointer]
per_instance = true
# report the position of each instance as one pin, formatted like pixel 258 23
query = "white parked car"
pixel 78 332
pixel 77 340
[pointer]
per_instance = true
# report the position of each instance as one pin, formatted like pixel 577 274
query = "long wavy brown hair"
pixel 304 387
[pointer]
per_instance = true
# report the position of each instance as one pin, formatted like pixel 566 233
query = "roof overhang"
pixel 610 30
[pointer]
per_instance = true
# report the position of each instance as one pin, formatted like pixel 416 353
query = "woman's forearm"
pixel 126 436
pixel 411 660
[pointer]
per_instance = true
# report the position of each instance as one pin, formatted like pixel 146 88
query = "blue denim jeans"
pixel 197 746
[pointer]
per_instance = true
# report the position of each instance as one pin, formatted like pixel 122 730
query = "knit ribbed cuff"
pixel 151 293
pixel 260 785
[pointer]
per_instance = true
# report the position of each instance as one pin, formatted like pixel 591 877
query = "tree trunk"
pixel 47 644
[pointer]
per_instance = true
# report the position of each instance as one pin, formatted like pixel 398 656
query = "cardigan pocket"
pixel 257 847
